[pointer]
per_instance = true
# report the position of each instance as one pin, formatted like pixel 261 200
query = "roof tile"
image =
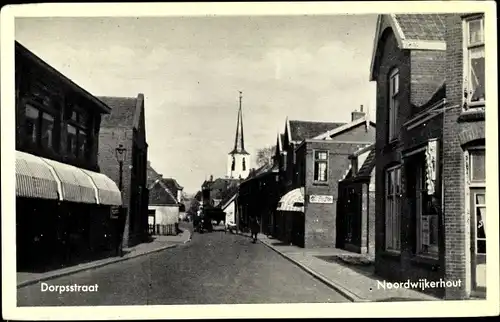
pixel 301 130
pixel 430 27
pixel 122 111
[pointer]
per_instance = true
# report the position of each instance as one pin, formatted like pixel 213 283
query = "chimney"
pixel 357 115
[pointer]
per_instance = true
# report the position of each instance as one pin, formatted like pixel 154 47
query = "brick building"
pixel 126 125
pixel 315 159
pixel 464 155
pixel 259 195
pixel 420 172
pixel 356 204
pixel 63 203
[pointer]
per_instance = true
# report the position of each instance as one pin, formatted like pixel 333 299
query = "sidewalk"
pixel 158 244
pixel 357 282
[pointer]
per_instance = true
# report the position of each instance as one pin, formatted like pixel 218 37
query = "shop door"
pixel 478 238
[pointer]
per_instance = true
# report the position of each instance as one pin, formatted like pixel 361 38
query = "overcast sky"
pixel 190 70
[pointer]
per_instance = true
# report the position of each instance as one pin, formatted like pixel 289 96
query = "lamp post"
pixel 120 156
pixel 120 152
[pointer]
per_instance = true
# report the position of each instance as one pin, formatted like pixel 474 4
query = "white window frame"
pixel 421 188
pixel 317 161
pixel 475 183
pixel 392 123
pixel 393 211
pixel 467 104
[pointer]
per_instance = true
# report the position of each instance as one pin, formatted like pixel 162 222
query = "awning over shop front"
pixel 107 191
pixel 292 201
pixel 76 186
pixel 34 178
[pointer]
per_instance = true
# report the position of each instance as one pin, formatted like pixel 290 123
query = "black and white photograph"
pixel 166 160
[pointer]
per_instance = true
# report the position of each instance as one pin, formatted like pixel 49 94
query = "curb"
pixel 342 290
pixel 91 267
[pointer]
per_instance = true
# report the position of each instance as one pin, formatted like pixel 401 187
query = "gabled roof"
pixel 172 184
pixel 259 172
pixel 170 198
pixel 22 50
pixel 343 128
pixel 228 196
pixel 412 32
pixel 125 111
pixel 366 158
pixel 366 169
pixel 301 130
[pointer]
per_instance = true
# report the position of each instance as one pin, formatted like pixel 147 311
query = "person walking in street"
pixel 255 228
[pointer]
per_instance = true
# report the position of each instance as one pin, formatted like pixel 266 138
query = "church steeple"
pixel 238 163
pixel 239 141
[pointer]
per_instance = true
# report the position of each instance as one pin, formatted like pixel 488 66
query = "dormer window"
pixel 393 104
pixel 474 68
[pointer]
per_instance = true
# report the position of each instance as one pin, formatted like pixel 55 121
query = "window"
pixel 393 104
pixel 474 71
pixel 233 164
pixel 244 166
pixel 320 166
pixel 393 209
pixel 39 126
pixel 477 165
pixel 480 211
pixel 426 212
pixel 78 136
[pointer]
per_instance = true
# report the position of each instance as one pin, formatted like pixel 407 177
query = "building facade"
pixel 464 155
pixel 63 203
pixel 356 204
pixel 126 125
pixel 427 134
pixel 315 160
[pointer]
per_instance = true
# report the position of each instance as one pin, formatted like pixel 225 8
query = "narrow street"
pixel 214 268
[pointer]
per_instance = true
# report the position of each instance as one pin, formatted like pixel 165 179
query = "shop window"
pixel 320 166
pixel 393 209
pixel 427 214
pixel 474 75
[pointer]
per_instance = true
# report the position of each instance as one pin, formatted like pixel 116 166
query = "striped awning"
pixel 292 201
pixel 34 178
pixel 76 186
pixel 107 191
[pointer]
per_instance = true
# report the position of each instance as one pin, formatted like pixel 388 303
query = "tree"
pixel 265 155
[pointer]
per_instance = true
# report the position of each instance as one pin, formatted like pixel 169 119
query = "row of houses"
pixel 69 145
pixel 408 190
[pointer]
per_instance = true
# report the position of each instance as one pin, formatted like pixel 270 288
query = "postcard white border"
pixel 401 309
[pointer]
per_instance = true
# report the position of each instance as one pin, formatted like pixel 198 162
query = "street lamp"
pixel 120 152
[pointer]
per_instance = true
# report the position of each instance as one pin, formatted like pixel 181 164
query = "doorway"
pixel 478 239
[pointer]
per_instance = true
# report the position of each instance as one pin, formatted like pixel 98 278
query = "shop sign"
pixel 320 199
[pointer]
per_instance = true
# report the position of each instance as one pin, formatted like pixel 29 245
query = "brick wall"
pixel 390 56
pixel 320 219
pixel 457 132
pixel 427 74
pixel 109 138
pixel 416 85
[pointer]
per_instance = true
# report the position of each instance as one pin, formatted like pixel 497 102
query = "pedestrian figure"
pixel 255 228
